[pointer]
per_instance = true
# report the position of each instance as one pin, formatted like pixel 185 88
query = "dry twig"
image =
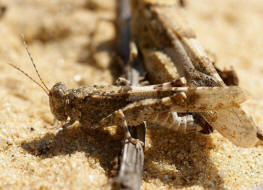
pixel 132 160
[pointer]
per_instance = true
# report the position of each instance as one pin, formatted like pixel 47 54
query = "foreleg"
pixel 123 122
pixel 66 125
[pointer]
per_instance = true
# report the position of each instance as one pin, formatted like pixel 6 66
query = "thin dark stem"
pixel 123 29
pixel 132 159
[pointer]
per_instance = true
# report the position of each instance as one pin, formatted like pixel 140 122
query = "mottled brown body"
pixel 98 106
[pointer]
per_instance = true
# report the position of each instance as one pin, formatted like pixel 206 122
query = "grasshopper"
pixel 100 106
pixel 170 50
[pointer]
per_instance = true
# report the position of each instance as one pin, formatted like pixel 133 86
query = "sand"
pixel 62 36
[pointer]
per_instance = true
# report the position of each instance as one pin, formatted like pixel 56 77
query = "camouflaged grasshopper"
pixel 170 50
pixel 99 106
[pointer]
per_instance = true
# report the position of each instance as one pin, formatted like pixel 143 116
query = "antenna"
pixel 17 68
pixel 33 63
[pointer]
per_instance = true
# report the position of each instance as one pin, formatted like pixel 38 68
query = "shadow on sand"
pixel 182 159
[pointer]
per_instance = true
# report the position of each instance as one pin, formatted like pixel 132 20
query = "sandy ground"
pixel 60 36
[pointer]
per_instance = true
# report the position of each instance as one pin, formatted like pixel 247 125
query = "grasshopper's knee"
pixel 179 98
pixel 122 82
pixel 179 82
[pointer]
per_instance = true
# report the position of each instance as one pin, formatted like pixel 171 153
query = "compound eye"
pixel 58 93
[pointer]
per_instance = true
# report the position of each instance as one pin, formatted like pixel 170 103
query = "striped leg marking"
pixel 123 122
pixel 171 120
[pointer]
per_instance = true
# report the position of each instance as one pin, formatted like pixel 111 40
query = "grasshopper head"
pixel 57 101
